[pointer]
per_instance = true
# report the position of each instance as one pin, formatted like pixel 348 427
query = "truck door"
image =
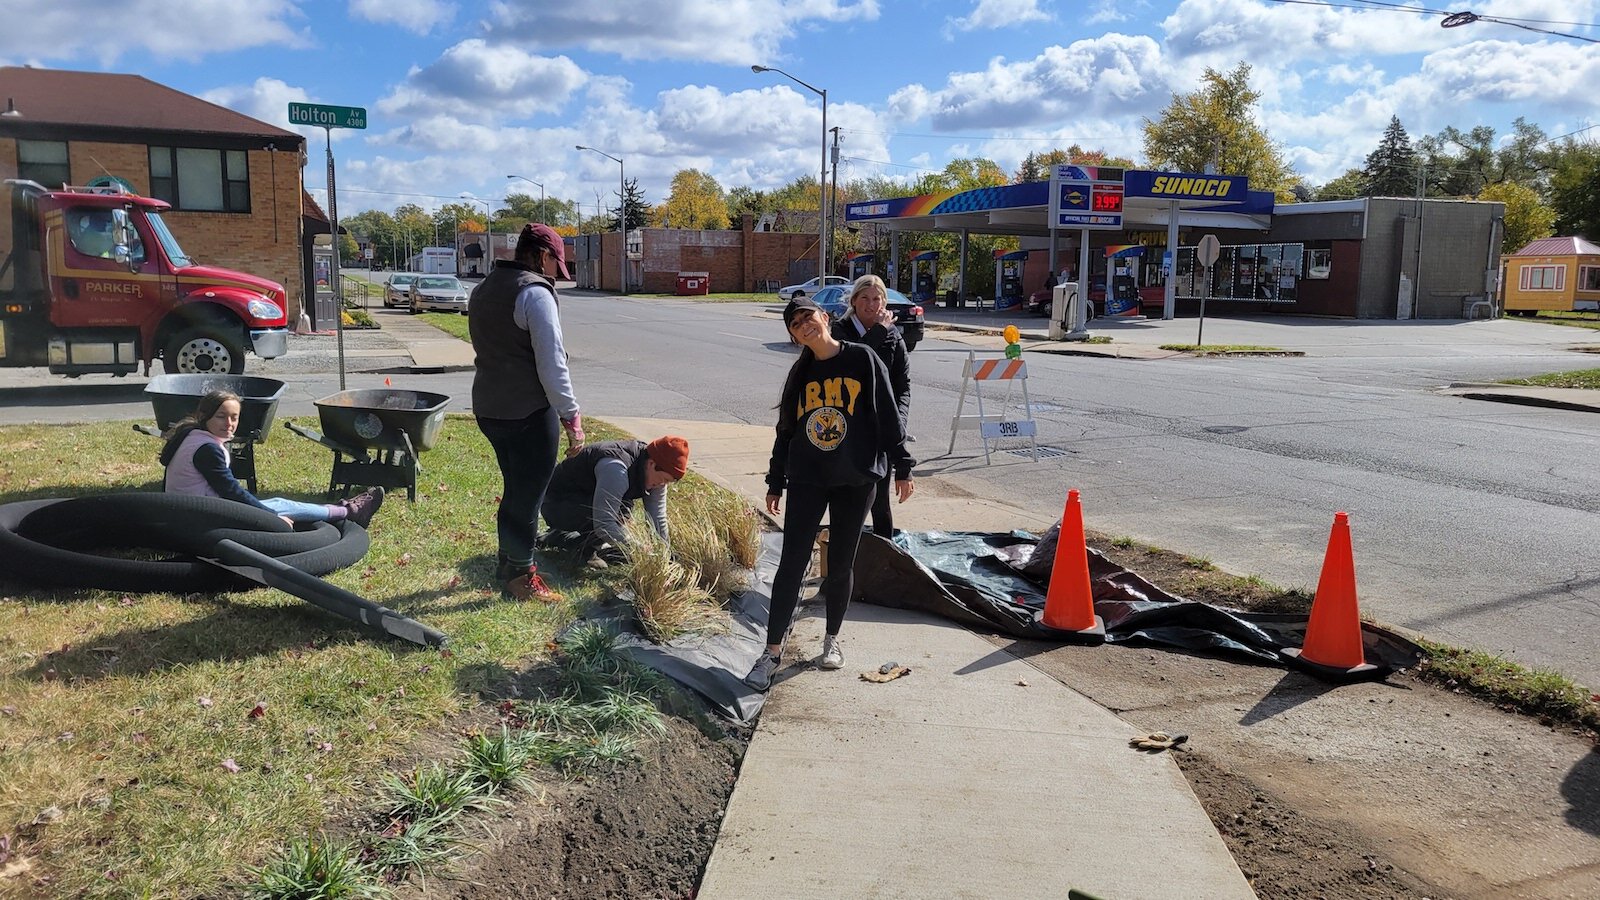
pixel 90 286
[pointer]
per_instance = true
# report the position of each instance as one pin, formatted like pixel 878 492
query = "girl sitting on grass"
pixel 197 460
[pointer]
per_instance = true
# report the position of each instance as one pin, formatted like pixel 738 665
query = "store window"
pixel 201 180
pixel 1543 278
pixel 1589 278
pixel 45 162
pixel 1319 262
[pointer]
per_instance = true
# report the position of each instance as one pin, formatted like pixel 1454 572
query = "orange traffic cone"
pixel 1333 636
pixel 1069 604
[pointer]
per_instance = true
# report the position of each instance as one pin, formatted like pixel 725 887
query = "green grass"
pixel 316 869
pixel 1583 378
pixel 1097 339
pixel 1221 349
pixel 1563 317
pixel 453 324
pixel 131 712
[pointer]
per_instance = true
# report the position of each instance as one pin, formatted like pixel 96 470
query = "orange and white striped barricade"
pixel 989 424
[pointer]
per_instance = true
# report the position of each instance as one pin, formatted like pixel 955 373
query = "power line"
pixel 1456 19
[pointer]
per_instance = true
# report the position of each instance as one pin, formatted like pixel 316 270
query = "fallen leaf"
pixel 453 582
pixel 125 601
pixel 47 815
pixel 257 711
pixel 205 702
pixel 8 710
pixel 404 560
pixel 1022 682
pixel 325 747
pixel 139 737
pixel 447 653
pixel 65 736
pixel 50 674
pixel 231 767
pixel 309 779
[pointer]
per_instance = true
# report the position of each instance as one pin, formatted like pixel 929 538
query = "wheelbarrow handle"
pixel 317 436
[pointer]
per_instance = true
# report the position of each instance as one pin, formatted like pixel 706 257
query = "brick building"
pixel 749 259
pixel 234 182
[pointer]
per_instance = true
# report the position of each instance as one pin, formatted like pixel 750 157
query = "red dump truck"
pixel 94 282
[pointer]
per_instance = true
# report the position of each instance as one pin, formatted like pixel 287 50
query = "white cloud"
pixel 76 29
pixel 267 99
pixel 988 14
pixel 738 32
pixel 417 16
pixel 1111 72
pixel 475 80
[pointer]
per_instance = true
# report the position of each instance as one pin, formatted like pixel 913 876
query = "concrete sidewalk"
pixel 975 776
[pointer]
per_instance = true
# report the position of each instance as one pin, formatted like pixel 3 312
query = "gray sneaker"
pixel 832 654
pixel 760 676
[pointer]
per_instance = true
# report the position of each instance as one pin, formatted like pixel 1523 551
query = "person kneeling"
pixel 592 494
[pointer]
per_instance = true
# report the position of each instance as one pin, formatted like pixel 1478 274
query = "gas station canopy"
pixel 1148 200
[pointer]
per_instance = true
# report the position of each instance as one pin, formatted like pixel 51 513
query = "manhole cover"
pixel 1044 452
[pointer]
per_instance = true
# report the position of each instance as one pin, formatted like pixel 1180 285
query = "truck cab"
pixel 95 282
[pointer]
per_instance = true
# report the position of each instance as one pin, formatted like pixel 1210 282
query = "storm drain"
pixel 1044 452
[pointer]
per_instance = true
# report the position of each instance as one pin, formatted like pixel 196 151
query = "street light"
pixel 622 216
pixel 488 232
pixel 822 178
pixel 541 193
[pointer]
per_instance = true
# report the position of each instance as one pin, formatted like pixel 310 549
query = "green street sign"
pixel 327 116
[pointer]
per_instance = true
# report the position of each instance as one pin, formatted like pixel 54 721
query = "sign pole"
pixel 333 225
pixel 1199 334
pixel 1206 254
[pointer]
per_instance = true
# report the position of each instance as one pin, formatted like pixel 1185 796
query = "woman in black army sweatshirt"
pixel 838 432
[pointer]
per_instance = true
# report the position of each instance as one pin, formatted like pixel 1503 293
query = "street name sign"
pixel 327 116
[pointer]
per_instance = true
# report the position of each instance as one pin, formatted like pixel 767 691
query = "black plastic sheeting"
pixel 998 582
pixel 985 581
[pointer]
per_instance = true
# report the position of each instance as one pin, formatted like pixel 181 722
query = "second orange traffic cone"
pixel 1333 647
pixel 1069 603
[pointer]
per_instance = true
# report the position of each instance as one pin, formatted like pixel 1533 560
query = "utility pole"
pixel 833 203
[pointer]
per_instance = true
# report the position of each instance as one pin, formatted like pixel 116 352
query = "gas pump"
pixel 1122 294
pixel 858 264
pixel 924 276
pixel 1008 278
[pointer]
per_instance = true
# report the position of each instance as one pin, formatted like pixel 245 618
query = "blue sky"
pixel 461 94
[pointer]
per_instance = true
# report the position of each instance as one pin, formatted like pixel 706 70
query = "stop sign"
pixel 1207 251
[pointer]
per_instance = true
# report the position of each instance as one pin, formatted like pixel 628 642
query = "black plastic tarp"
pixel 998 581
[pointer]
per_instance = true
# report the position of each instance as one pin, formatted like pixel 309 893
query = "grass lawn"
pixel 1583 378
pixel 453 324
pixel 1220 349
pixel 1564 317
pixel 130 761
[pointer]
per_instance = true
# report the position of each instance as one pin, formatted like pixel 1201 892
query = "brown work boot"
pixel 360 508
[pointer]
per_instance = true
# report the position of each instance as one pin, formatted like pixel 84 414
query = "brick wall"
pixel 266 242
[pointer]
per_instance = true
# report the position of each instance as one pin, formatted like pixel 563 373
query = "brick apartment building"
pixel 748 259
pixel 234 182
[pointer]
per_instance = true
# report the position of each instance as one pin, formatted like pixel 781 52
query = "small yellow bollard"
pixel 822 552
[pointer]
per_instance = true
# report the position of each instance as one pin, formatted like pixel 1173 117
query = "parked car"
pixel 395 288
pixel 441 292
pixel 908 320
pixel 809 288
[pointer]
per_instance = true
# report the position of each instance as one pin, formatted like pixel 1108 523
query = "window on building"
pixel 1543 278
pixel 201 180
pixel 1319 262
pixel 44 161
pixel 1589 278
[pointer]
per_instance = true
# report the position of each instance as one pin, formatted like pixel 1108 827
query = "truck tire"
pixel 205 349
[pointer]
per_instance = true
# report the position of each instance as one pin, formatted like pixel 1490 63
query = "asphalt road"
pixel 1473 522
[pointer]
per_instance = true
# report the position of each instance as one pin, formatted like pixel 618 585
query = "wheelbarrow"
pixel 175 396
pixel 381 431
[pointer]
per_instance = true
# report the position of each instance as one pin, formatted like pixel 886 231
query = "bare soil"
pixel 1399 790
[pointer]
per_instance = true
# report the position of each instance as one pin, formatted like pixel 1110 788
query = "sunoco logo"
pixel 1174 186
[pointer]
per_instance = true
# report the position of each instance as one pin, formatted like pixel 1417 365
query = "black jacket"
pixel 838 425
pixel 891 348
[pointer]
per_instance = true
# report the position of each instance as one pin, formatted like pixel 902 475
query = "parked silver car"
pixel 395 288
pixel 439 292
pixel 809 288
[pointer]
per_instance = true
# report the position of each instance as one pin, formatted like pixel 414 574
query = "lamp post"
pixel 541 194
pixel 622 212
pixel 488 232
pixel 822 177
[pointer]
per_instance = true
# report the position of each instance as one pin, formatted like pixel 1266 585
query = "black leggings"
pixel 882 512
pixel 847 512
pixel 526 451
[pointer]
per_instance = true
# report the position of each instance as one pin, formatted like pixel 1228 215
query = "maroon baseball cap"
pixel 541 235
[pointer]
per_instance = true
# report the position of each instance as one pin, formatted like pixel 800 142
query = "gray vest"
pixel 506 384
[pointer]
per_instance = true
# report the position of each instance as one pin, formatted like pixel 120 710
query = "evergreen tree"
pixel 1391 169
pixel 1575 189
pixel 638 210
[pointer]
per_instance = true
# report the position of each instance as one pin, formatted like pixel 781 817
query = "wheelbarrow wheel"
pixel 204 349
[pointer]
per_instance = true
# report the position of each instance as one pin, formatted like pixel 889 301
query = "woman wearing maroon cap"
pixel 521 390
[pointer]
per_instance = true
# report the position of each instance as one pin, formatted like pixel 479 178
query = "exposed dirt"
pixel 1401 789
pixel 640 831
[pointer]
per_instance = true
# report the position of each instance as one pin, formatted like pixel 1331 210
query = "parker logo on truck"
pixel 113 287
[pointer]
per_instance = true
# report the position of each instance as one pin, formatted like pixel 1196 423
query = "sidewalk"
pixel 975 776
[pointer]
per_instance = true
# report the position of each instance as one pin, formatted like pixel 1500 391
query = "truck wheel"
pixel 204 349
